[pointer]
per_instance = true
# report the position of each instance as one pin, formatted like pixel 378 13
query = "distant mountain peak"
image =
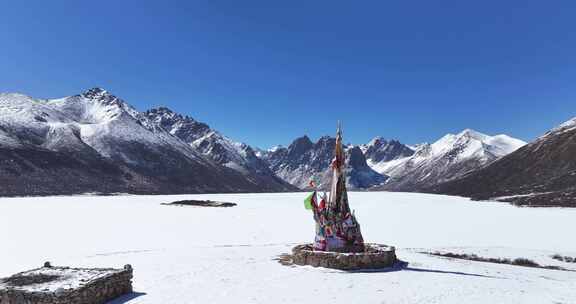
pixel 184 127
pixel 95 92
pixel 465 134
pixel 301 144
pixel 472 133
pixel 376 140
pixel 104 97
pixel 162 109
pixel 448 158
pixel 381 150
pixel 304 160
pixel 166 112
pixel 541 173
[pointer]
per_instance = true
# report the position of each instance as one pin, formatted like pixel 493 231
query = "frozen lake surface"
pixel 226 255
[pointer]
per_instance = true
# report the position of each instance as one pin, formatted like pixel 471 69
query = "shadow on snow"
pixel 404 266
pixel 126 298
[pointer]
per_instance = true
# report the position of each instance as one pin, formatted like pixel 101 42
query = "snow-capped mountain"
pixel 96 142
pixel 542 173
pixel 381 153
pixel 221 149
pixel 304 160
pixel 448 158
pixel 389 164
pixel 108 124
pixel 567 126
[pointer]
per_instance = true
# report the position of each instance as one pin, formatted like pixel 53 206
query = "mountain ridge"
pixel 541 173
pixel 96 129
pixel 451 156
pixel 219 148
pixel 110 145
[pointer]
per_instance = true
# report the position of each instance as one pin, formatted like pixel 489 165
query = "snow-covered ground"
pixel 226 255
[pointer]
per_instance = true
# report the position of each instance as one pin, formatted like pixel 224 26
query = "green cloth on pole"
pixel 308 201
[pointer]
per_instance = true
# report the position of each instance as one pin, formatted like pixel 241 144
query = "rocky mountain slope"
pixel 96 142
pixel 221 149
pixel 448 158
pixel 380 150
pixel 304 160
pixel 381 153
pixel 542 173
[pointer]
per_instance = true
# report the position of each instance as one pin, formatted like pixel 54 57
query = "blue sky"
pixel 265 72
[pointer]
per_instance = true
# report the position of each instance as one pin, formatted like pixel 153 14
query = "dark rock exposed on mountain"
pixel 221 149
pixel 379 150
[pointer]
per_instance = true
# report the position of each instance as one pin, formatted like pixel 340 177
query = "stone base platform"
pixel 374 256
pixel 64 285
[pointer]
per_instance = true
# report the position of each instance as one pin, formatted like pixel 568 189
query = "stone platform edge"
pixel 375 256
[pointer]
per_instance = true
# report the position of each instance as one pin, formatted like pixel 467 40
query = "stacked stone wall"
pixel 373 257
pixel 98 291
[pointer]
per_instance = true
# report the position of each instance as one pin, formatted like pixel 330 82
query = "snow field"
pixel 224 255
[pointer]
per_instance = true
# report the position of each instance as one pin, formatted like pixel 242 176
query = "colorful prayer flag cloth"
pixel 309 202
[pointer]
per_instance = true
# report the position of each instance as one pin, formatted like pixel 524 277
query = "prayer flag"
pixel 309 202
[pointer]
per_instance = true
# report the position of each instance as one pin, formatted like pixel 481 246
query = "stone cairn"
pixel 374 256
pixel 27 287
pixel 339 243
